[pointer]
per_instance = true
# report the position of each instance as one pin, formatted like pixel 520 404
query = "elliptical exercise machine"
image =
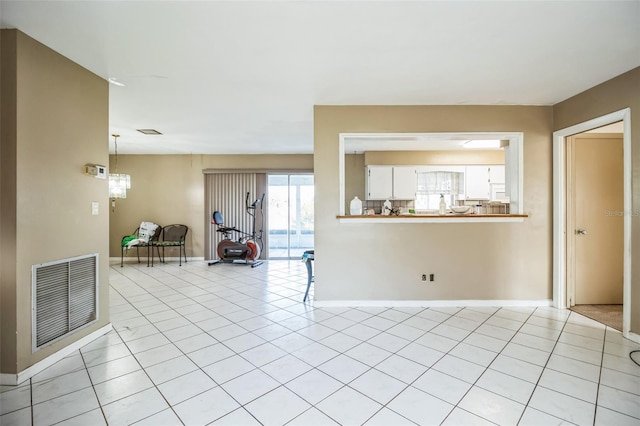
pixel 247 248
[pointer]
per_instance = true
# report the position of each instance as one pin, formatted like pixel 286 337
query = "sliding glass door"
pixel 290 215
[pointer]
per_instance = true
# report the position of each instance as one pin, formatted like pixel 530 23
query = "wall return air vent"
pixel 64 297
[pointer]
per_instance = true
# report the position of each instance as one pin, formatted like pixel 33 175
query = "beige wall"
pixel 8 167
pixel 616 94
pixel 354 177
pixel 169 189
pixel 470 261
pixel 447 158
pixel 61 123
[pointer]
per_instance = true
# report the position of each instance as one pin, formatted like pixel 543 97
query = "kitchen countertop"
pixel 433 218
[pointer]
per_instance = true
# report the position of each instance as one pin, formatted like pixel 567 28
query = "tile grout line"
pixel 489 365
pixel 600 379
pixel 460 309
pixel 199 368
pixel 33 419
pixel 595 404
pixel 537 384
pixel 172 342
pixel 146 374
pixel 93 388
pixel 428 368
pixel 242 406
pixel 346 385
pixel 221 342
pixel 51 379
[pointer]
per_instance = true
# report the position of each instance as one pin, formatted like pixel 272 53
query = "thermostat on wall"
pixel 95 170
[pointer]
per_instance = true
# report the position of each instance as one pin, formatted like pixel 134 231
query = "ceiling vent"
pixel 149 131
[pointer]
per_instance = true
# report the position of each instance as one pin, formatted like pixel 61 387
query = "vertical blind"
pixel 226 193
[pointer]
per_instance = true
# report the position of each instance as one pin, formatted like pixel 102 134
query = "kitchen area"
pixel 462 183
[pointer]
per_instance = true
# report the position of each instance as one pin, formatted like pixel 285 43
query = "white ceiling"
pixel 222 77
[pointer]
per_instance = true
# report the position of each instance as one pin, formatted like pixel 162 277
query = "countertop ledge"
pixel 433 218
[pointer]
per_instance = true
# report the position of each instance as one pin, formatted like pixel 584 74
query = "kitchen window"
pixel 432 184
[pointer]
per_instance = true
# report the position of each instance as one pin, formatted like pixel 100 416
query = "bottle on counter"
pixel 386 208
pixel 355 208
pixel 443 205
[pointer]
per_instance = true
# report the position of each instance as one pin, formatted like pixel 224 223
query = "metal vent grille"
pixel 65 297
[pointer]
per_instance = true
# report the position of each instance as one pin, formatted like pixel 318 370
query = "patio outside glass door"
pixel 290 215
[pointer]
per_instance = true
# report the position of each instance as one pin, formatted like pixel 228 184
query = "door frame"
pixel 288 174
pixel 560 198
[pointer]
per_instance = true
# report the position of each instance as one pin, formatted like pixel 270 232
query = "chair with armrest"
pixel 144 236
pixel 173 236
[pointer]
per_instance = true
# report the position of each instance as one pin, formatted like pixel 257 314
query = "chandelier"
pixel 118 183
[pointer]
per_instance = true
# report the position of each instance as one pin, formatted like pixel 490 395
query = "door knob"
pixel 581 231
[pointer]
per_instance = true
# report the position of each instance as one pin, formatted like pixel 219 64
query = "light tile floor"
pixel 232 345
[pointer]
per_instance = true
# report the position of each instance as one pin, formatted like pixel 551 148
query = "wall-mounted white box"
pixel 95 170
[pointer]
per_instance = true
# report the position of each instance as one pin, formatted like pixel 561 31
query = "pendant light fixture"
pixel 118 183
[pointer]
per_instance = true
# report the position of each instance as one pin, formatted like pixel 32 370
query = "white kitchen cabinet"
pixel 496 174
pixel 404 183
pixel 476 183
pixel 379 181
pixel 391 183
pixel 480 180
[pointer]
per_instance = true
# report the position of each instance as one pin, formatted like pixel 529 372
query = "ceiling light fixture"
pixel 118 183
pixel 482 144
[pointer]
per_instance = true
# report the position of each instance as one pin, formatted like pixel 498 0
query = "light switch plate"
pixel 95 207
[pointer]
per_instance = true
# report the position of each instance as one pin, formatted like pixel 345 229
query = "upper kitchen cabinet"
pixel 404 183
pixel 390 183
pixel 379 181
pixel 496 174
pixel 484 182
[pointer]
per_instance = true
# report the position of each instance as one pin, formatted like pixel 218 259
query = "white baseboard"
pixel 8 379
pixel 429 303
pixel 175 258
pixel 16 379
pixel 143 259
pixel 633 337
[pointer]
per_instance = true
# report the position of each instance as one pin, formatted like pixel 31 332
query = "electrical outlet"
pixel 424 277
pixel 432 277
